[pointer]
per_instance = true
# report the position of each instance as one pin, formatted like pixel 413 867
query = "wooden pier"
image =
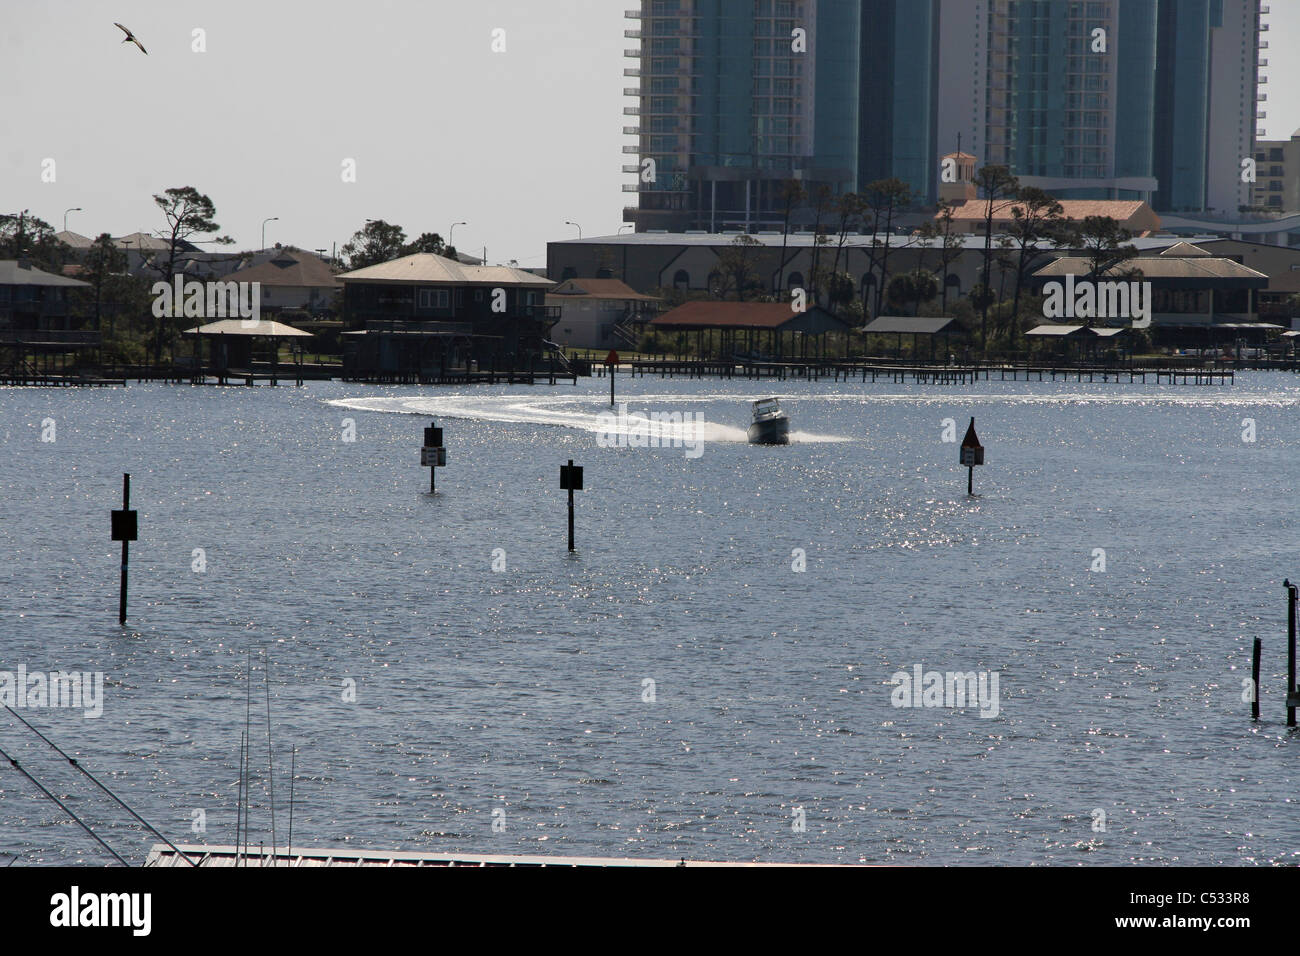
pixel 851 371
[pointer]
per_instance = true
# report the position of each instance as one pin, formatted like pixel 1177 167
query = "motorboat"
pixel 770 425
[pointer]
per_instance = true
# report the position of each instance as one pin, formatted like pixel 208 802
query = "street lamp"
pixel 264 222
pixel 570 222
pixel 452 234
pixel 627 225
pixel 65 216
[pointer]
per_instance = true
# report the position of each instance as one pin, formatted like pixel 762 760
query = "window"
pixel 434 299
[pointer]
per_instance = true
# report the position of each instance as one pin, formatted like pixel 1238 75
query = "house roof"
pixel 75 239
pixel 142 240
pixel 290 268
pixel 1185 250
pixel 747 315
pixel 1119 209
pixel 427 268
pixel 13 274
pixel 599 289
pixel 1161 267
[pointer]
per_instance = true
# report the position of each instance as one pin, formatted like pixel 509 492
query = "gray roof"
pixel 11 274
pixel 75 239
pixel 910 325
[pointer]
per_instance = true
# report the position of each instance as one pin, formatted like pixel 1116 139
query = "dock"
pixel 850 371
pixel 161 855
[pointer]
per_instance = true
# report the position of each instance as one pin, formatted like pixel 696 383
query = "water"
pixel 522 690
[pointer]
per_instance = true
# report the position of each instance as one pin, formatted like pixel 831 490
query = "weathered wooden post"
pixel 124 528
pixel 972 454
pixel 571 479
pixel 433 456
pixel 1292 697
pixel 610 361
pixel 1254 677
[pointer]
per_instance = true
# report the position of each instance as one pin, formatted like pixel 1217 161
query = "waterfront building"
pixel 292 279
pixel 424 312
pixel 1277 169
pixel 599 313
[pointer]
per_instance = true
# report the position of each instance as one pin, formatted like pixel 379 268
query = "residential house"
pixel 292 279
pixel 600 313
pixel 424 313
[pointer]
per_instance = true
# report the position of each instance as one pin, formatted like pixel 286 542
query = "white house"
pixel 599 313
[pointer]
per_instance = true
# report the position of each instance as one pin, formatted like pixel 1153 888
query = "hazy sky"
pixel 442 129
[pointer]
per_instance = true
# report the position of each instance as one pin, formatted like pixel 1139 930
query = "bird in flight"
pixel 130 38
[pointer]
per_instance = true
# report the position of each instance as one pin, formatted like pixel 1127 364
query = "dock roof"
pixel 910 325
pixel 762 316
pixel 259 328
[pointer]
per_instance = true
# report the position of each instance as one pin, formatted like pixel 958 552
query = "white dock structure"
pixel 161 855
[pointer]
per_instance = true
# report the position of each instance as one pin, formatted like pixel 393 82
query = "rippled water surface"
pixel 523 689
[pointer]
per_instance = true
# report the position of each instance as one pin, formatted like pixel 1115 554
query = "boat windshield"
pixel 767 407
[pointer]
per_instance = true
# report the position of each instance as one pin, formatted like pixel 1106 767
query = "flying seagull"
pixel 130 38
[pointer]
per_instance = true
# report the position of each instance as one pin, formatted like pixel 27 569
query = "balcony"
pixel 636 130
pixel 632 34
pixel 631 111
pixel 632 53
pixel 632 71
pixel 631 14
pixel 631 91
pixel 632 150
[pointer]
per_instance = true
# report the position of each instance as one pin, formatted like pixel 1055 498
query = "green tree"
pixel 24 236
pixel 911 289
pixel 998 188
pixel 950 246
pixel 427 242
pixel 1036 219
pixel 375 242
pixel 792 197
pixel 882 201
pixel 1103 241
pixel 737 265
pixel 188 214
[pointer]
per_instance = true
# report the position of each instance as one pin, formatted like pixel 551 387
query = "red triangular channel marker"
pixel 611 358
pixel 971 440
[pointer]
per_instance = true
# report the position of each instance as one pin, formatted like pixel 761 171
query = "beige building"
pixel 1277 174
pixel 599 313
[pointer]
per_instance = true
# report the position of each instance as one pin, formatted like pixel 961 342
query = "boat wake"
pixel 661 419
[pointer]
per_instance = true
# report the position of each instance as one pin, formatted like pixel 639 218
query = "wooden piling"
pixel 1254 676
pixel 126 553
pixel 1291 696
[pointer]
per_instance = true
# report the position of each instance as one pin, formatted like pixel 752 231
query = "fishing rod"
pixel 64 807
pixel 96 781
